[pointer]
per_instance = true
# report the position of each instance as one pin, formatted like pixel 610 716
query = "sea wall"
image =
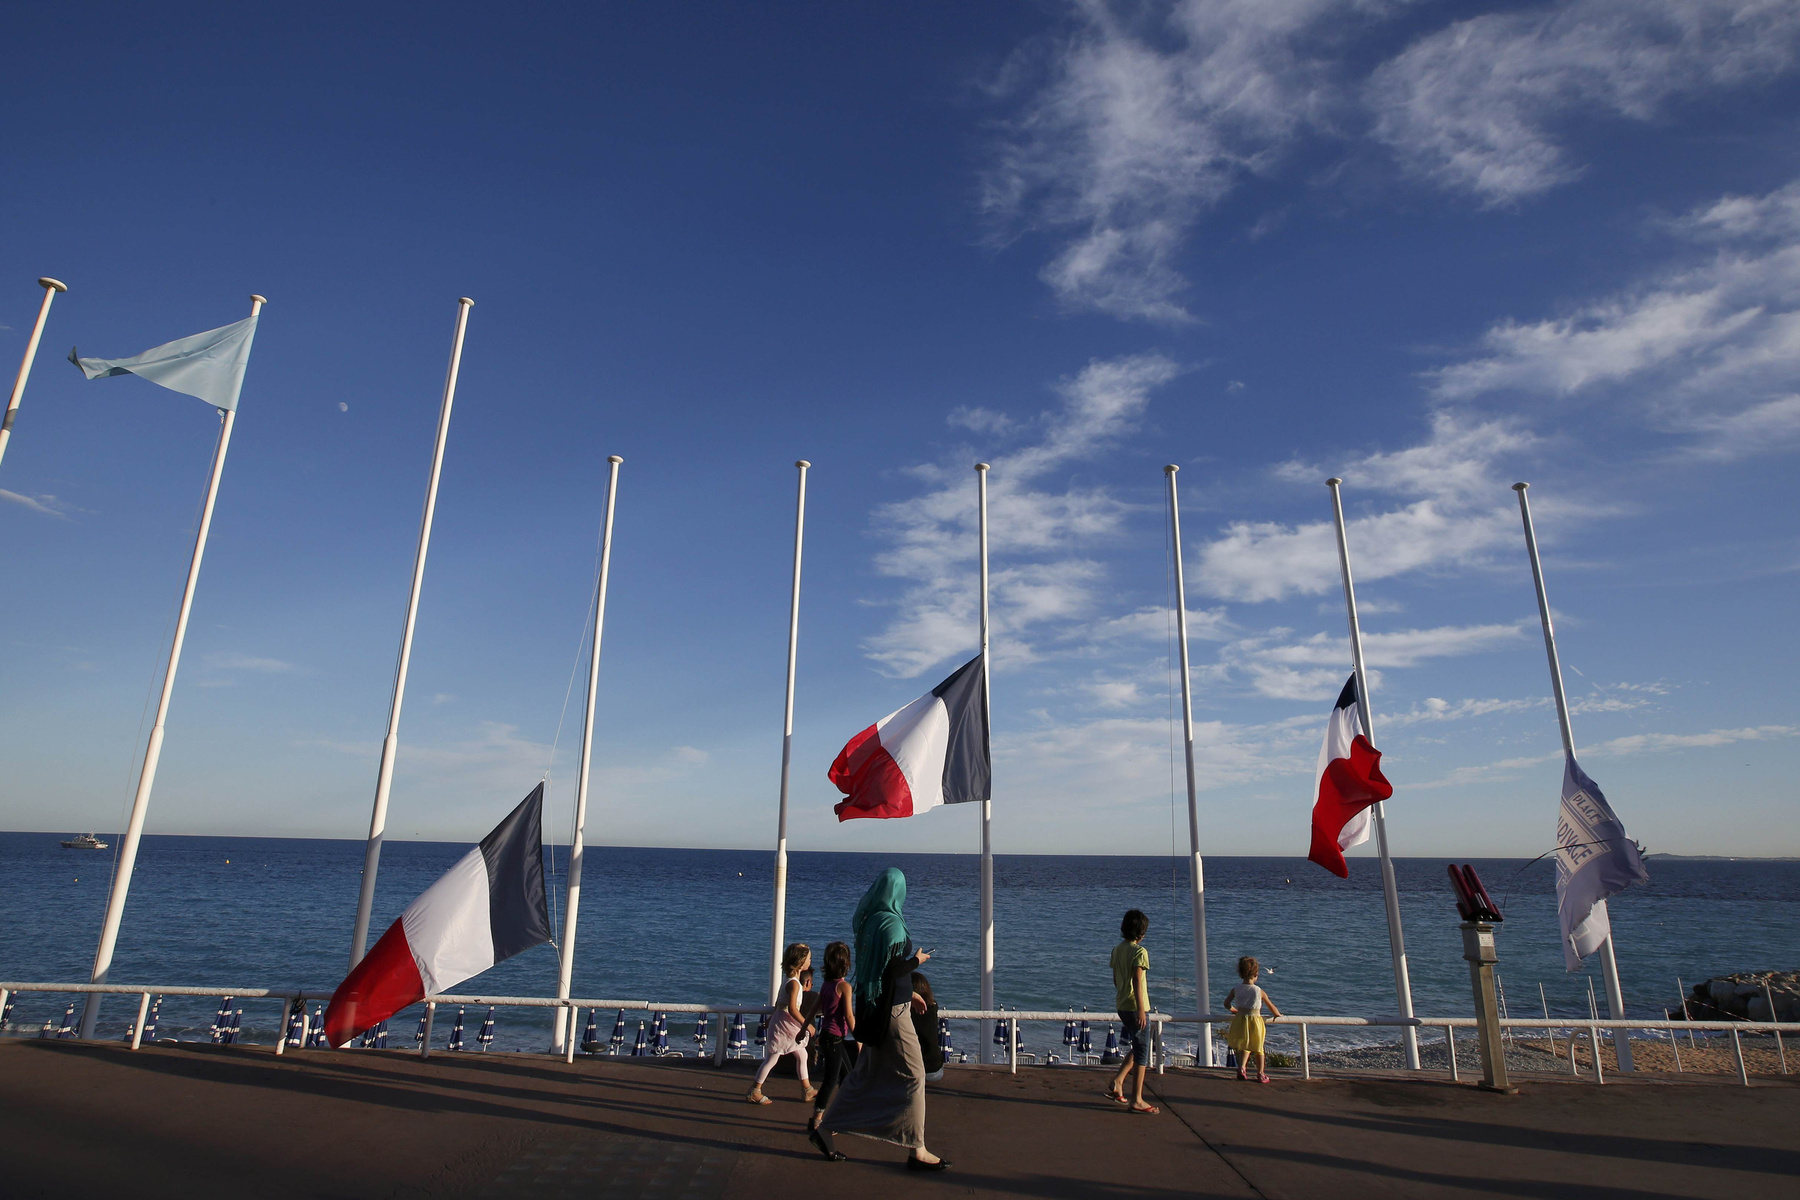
pixel 1744 996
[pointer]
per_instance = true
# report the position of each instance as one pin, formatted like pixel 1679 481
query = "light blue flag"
pixel 1594 860
pixel 209 365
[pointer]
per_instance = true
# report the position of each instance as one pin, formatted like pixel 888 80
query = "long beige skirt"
pixel 884 1097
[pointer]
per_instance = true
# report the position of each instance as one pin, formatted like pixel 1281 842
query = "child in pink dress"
pixel 787 1028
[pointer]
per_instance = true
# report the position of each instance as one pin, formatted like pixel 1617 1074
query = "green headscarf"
pixel 880 931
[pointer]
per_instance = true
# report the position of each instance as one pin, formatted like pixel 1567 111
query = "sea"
pixel 693 926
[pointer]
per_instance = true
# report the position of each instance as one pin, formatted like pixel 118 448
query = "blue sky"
pixel 1433 248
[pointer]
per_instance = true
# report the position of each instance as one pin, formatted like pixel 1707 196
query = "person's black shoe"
pixel 818 1139
pixel 914 1163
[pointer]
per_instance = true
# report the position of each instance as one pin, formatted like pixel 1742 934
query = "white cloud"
pixel 1315 667
pixel 1766 428
pixel 49 506
pixel 1456 523
pixel 1149 117
pixel 1433 709
pixel 1703 351
pixel 1115 760
pixel 1620 747
pixel 1473 107
pixel 1143 117
pixel 249 662
pixel 1774 215
pixel 1709 351
pixel 1038 575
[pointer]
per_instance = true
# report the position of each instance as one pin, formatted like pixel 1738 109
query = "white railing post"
pixel 1450 1041
pixel 1774 1018
pixel 137 1031
pixel 1594 1044
pixel 1305 1052
pixel 430 1016
pixel 1737 1046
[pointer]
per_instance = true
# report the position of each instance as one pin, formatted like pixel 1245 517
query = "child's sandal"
pixel 755 1096
pixel 807 1093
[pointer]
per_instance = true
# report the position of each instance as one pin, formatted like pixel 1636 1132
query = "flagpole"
pixel 1609 965
pixel 51 287
pixel 384 778
pixel 1390 890
pixel 1196 878
pixel 140 803
pixel 779 934
pixel 566 967
pixel 987 806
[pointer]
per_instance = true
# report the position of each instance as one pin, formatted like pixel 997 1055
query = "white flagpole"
pixel 384 778
pixel 778 935
pixel 51 287
pixel 140 803
pixel 987 806
pixel 1390 890
pixel 1609 965
pixel 1196 878
pixel 566 968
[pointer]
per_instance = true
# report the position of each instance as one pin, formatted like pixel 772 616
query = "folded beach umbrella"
pixel 700 1035
pixel 639 1049
pixel 221 1019
pixel 934 751
pixel 315 1037
pixel 6 1013
pixel 485 1038
pixel 662 1033
pixel 456 1030
pixel 381 1032
pixel 150 1021
pixel 419 1033
pixel 591 1034
pixel 944 1043
pixel 488 907
pixel 762 1033
pixel 1110 1055
pixel 740 1038
pixel 617 1043
pixel 67 1030
pixel 1086 1042
pixel 1350 783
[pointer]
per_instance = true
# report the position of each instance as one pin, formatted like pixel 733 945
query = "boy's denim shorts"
pixel 1137 1037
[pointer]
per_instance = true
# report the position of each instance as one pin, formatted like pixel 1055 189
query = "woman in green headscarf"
pixel 884 1097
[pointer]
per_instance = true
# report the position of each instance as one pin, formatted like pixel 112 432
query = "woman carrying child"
pixel 787 1028
pixel 1245 1034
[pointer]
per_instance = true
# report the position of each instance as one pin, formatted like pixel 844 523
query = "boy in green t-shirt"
pixel 1130 969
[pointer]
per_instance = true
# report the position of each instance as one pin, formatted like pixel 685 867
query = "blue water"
pixel 693 925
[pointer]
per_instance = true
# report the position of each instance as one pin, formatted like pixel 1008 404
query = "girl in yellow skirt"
pixel 1245 1035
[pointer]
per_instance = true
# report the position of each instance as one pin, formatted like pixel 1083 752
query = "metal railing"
pixel 1158 1021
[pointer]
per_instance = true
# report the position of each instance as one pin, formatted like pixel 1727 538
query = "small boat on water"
pixel 86 841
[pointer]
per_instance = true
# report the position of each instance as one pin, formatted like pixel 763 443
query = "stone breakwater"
pixel 1745 996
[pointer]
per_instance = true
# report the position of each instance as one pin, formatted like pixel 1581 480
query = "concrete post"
pixel 1478 950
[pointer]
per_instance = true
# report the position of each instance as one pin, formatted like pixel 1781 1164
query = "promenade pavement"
pixel 192 1121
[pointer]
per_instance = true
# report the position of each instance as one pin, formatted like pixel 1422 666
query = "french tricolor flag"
pixel 484 910
pixel 1350 783
pixel 934 751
